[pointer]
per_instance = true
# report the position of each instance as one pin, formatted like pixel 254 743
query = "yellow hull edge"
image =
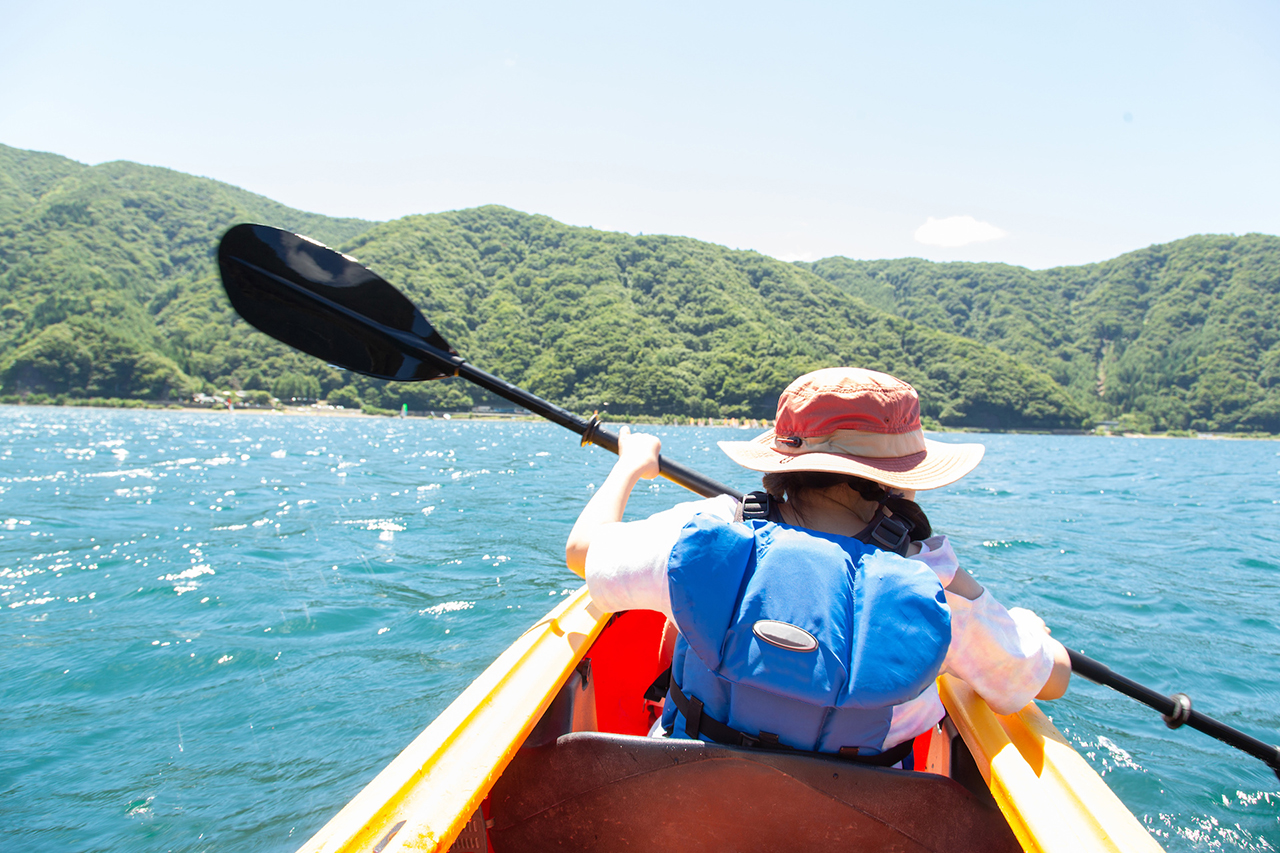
pixel 1052 798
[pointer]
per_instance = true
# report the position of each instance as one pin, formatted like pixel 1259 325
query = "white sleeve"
pixel 936 553
pixel 1002 654
pixel 627 561
pixel 915 717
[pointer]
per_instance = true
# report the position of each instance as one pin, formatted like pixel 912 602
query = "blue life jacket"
pixel 874 629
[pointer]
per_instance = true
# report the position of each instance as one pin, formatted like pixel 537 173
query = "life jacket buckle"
pixel 892 534
pixel 769 740
pixel 757 506
pixel 766 740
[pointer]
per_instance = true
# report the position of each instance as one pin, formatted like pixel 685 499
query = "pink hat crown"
pixel 837 398
pixel 858 422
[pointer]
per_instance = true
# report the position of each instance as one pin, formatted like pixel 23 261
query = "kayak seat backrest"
pixel 588 791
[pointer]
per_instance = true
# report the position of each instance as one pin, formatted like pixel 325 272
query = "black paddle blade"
pixel 324 303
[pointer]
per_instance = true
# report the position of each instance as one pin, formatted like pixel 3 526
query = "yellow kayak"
pixel 546 751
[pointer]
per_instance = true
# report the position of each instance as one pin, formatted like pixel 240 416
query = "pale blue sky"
pixel 1076 130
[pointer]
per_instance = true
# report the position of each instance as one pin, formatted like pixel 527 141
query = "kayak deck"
pixel 545 751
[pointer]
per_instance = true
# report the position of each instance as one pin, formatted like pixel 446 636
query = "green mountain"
pixel 90 257
pixel 1177 336
pixel 108 288
pixel 656 324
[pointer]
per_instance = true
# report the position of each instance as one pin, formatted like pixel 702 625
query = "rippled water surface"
pixel 219 627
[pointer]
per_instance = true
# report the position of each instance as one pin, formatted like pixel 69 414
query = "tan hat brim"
pixel 939 464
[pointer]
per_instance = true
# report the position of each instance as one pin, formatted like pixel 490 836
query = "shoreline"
pixel 641 420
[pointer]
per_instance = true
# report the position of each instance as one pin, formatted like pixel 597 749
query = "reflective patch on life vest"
pixel 784 635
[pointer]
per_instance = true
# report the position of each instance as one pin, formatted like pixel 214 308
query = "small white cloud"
pixel 957 231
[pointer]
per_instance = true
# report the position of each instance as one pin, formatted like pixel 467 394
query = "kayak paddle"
pixel 328 305
pixel 1175 710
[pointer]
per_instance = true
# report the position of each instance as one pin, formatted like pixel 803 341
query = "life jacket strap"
pixel 758 506
pixel 697 723
pixel 887 532
pixel 659 687
pixel 884 531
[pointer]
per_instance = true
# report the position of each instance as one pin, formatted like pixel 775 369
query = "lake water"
pixel 219 627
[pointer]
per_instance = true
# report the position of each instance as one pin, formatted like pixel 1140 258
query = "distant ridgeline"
pixel 108 288
pixel 1180 336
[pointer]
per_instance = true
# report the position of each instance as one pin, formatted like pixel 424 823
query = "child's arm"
pixel 637 460
pixel 965 585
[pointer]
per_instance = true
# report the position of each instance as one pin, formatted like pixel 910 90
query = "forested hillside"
pixel 108 288
pixel 90 257
pixel 673 325
pixel 1180 336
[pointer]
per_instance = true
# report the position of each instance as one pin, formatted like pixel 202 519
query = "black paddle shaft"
pixel 328 305
pixel 1176 709
pixel 590 430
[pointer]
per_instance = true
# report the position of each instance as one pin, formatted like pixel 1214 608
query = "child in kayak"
pixel 817 614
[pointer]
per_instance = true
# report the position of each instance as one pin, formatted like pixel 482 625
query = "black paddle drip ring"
pixel 1181 711
pixel 590 432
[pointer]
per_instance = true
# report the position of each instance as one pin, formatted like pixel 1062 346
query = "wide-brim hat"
pixel 847 420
